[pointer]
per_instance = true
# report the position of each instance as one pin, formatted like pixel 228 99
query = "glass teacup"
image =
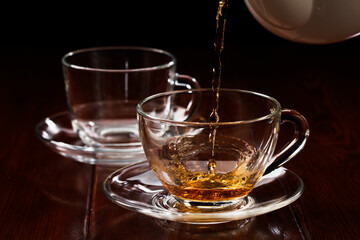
pixel 104 84
pixel 209 165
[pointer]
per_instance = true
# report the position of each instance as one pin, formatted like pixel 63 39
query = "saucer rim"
pixel 200 218
pixel 78 152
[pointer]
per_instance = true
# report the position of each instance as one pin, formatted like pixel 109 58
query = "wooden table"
pixel 47 196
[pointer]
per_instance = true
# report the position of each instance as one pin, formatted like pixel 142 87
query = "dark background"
pixel 152 23
pixel 175 25
pixel 35 36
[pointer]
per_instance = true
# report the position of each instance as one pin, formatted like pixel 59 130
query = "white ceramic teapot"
pixel 308 21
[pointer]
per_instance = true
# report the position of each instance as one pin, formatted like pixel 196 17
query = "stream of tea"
pixel 216 77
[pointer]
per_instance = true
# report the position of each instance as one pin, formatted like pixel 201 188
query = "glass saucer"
pixel 57 133
pixel 136 188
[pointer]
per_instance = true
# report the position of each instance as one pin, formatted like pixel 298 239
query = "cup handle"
pixel 186 81
pixel 293 147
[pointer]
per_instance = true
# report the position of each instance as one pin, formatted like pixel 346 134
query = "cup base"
pixel 114 135
pixel 171 202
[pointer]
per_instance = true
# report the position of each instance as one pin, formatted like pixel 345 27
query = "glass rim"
pixel 171 63
pixel 142 113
